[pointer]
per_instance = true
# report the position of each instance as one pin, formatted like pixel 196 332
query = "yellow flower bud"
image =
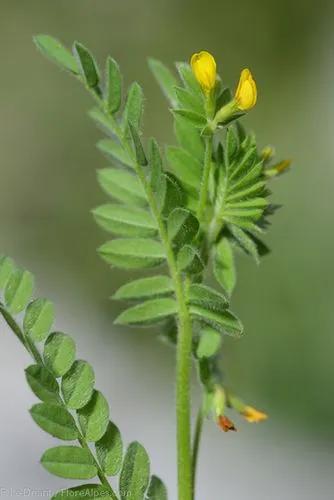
pixel 203 65
pixel 282 166
pixel 267 153
pixel 278 169
pixel 252 415
pixel 246 93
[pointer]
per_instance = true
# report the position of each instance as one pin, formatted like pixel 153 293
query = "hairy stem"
pixel 32 349
pixel 203 195
pixel 183 356
pixel 196 444
pixel 184 343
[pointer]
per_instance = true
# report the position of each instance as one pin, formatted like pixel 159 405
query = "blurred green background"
pixel 47 189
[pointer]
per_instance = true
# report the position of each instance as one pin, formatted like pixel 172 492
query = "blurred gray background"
pixel 48 160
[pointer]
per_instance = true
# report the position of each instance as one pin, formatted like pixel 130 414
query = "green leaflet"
pixel 69 462
pixel 245 163
pixel 135 473
pixel 187 100
pixel 209 343
pixel 224 266
pixel 139 150
pixel 157 490
pixel 133 107
pixel 254 189
pixel 205 296
pixel 103 121
pixel 94 417
pixel 189 138
pixel 189 260
pixel 145 288
pixel 55 51
pixel 174 194
pixel 245 242
pixel 157 179
pixel 87 65
pixel 6 269
pixel 188 79
pixel 182 227
pixel 59 353
pixel 18 290
pixel 109 450
pixel 78 385
pixel 165 79
pixel 125 220
pixel 249 203
pixel 38 319
pixel 43 384
pixel 249 178
pixel 114 150
pixel 86 491
pixel 150 311
pixel 231 146
pixel 114 86
pixel 122 186
pixel 224 322
pixel 133 253
pixel 55 420
pixel 197 120
pixel 184 166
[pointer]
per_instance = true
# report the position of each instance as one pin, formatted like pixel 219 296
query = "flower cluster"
pixel 205 70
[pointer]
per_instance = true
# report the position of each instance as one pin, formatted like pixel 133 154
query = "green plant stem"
pixel 184 344
pixel 32 349
pixel 183 355
pixel 196 444
pixel 203 195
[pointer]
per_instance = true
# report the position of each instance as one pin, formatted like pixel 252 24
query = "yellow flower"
pixel 246 93
pixel 203 65
pixel 252 415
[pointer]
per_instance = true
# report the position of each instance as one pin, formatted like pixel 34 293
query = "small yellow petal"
pixel 246 93
pixel 252 415
pixel 204 68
